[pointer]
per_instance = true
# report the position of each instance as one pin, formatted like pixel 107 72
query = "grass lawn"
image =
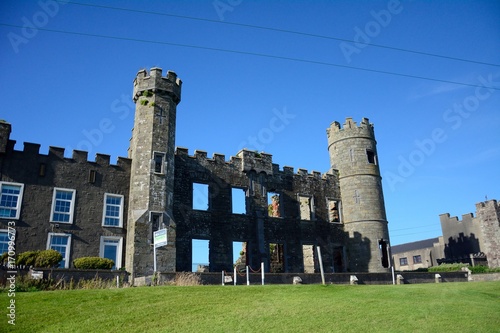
pixel 445 307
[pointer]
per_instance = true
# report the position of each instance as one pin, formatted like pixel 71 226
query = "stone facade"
pixel 473 237
pixel 287 215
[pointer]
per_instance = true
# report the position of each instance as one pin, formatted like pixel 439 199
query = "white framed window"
pixel 63 205
pixel 62 244
pixel 4 241
pixel 10 200
pixel 111 248
pixel 113 210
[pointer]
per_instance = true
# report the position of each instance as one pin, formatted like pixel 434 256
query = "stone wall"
pixel 41 173
pixel 256 175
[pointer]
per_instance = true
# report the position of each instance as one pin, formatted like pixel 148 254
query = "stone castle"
pixel 95 208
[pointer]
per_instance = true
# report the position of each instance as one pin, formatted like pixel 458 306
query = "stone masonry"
pixel 288 214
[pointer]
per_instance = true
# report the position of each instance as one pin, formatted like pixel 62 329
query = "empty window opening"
pixel 239 255
pixel 276 258
pixel 200 250
pixel 158 161
pixel 309 260
pixel 274 204
pixel 372 158
pixel 156 219
pixel 306 206
pixel 383 253
pixel 200 196
pixel 42 168
pixel 238 201
pixel 334 211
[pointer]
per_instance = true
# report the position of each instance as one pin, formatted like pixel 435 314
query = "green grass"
pixel 445 307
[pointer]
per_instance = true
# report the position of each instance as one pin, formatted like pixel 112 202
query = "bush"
pixel 27 258
pixel 448 268
pixel 48 258
pixel 93 263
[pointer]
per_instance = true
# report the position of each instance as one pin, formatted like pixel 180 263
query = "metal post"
pixel 223 276
pixel 262 271
pixel 234 274
pixel 248 277
pixel 154 254
pixel 321 264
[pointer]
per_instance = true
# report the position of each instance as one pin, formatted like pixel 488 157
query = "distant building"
pixel 94 208
pixel 474 240
pixel 419 254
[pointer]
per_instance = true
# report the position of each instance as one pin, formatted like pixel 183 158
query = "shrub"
pixel 4 258
pixel 187 279
pixel 27 258
pixel 448 268
pixel 48 258
pixel 93 263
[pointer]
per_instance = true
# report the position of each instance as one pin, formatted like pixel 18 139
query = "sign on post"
pixel 160 238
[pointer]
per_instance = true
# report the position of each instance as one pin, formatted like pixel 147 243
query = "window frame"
pixel 419 257
pixel 19 200
pixel 7 240
pixel 339 209
pixel 68 246
pixel 162 155
pixel 72 205
pixel 104 211
pixel 371 156
pixel 403 259
pixel 118 261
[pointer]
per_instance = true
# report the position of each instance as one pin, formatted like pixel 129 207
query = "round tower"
pixel 152 172
pixel 353 152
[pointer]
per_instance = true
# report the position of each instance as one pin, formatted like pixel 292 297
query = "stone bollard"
pixel 399 279
pixel 297 280
pixel 353 279
pixel 437 278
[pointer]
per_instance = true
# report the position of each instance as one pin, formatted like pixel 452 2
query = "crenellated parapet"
pixel 350 129
pixel 31 152
pixel 156 83
pixel 247 160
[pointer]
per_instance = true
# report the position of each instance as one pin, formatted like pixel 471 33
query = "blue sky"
pixel 273 90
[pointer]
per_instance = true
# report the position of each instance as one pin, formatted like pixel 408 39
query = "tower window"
pixel 372 158
pixel 156 219
pixel 158 162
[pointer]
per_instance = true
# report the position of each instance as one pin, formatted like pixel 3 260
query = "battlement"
pixel 248 160
pixel 31 151
pixel 350 129
pixel 156 83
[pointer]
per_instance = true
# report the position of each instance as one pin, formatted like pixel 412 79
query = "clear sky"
pixel 67 73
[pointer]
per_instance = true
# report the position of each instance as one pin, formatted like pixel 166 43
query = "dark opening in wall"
pixel 372 159
pixel 383 252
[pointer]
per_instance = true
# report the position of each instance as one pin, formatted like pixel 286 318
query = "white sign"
pixel 160 238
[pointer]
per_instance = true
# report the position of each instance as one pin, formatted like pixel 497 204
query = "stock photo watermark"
pixel 454 116
pixel 277 124
pixel 223 6
pixel 372 28
pixel 122 107
pixel 48 10
pixel 11 273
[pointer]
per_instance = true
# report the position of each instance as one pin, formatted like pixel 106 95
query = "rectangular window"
pixel 63 204
pixel 92 176
pixel 61 243
pixel 159 161
pixel 403 261
pixel 417 259
pixel 306 205
pixel 334 211
pixel 372 158
pixel 238 203
pixel 10 200
pixel 156 219
pixel 200 196
pixel 4 241
pixel 274 204
pixel 113 210
pixel 111 248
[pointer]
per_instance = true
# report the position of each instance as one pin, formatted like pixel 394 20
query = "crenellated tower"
pixel 353 152
pixel 152 150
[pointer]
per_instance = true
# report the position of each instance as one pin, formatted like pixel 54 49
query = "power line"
pixel 255 54
pixel 283 31
pixel 422 226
